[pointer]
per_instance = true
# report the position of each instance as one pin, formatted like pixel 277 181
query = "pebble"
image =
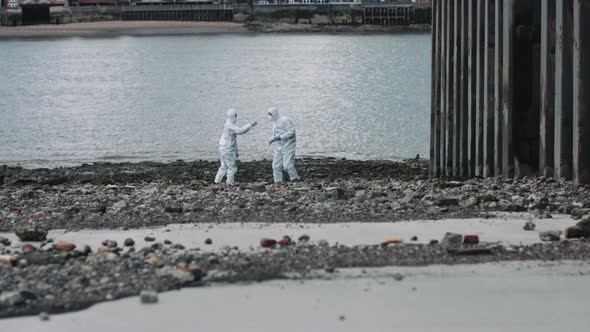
pixel 392 240
pixel 267 243
pixel 414 238
pixel 110 243
pixel 64 246
pixel 529 226
pixel 129 242
pixel 7 260
pixel 285 241
pixel 44 316
pixel 5 241
pixel 470 239
pixel 550 236
pixel 398 277
pixel 11 299
pixel 27 247
pixel 148 297
pixel 208 241
pixel 303 238
pixel 149 239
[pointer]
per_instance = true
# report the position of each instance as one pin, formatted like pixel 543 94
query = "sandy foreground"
pixel 121 28
pixel 516 296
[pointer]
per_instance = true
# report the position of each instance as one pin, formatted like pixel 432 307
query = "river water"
pixel 71 101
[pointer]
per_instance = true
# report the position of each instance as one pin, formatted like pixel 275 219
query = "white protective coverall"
pixel 228 147
pixel 284 149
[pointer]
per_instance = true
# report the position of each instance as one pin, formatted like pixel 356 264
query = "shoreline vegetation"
pixel 175 28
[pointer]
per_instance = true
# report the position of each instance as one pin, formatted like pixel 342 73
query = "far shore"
pixel 172 28
pixel 121 28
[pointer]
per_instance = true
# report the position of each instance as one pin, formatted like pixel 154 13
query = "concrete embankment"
pixel 318 14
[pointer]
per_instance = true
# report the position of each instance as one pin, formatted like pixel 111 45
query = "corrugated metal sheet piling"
pixel 511 88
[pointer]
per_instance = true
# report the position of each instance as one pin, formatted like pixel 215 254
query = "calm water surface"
pixel 70 101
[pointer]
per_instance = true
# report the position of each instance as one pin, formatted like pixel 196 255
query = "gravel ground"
pixel 54 281
pixel 56 278
pixel 148 194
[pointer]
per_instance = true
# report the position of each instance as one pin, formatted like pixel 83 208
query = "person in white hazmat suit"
pixel 283 142
pixel 228 147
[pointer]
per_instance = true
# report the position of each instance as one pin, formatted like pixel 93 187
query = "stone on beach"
pixel 148 297
pixel 452 240
pixel 391 240
pixel 267 243
pixel 28 230
pixel 7 260
pixel 64 246
pixel 529 226
pixel 285 241
pixel 550 236
pixel 470 239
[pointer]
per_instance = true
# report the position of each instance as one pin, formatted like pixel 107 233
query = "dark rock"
pixel 167 242
pixel 450 184
pixel 30 231
pixel 447 202
pixel 414 238
pixel 5 241
pixel 23 182
pixel 208 241
pixel 148 297
pixel 529 226
pixel 470 251
pixel 470 239
pixel 149 239
pixel 513 208
pixel 178 247
pixel 129 242
pixel 576 232
pixel 173 209
pixel 303 238
pixel 258 187
pixel 54 181
pixel 451 240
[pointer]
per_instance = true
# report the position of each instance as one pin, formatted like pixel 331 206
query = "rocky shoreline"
pixel 57 277
pixel 146 194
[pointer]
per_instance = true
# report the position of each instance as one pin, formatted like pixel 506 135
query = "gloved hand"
pixel 253 124
pixel 274 139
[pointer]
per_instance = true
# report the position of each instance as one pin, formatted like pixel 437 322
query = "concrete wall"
pixel 301 14
pixel 307 14
pixel 93 14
